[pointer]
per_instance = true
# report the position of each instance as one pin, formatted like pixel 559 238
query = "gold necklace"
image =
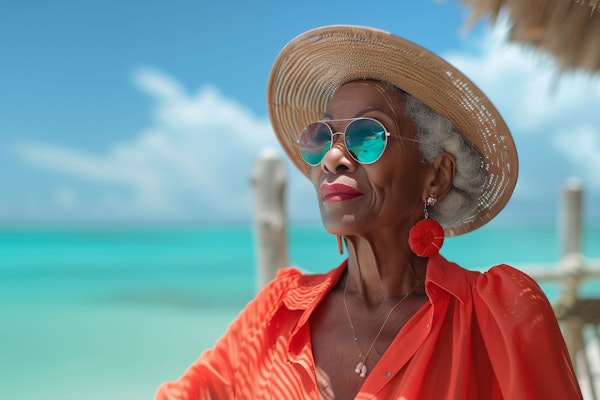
pixel 361 368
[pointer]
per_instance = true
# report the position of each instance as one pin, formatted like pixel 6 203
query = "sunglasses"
pixel 365 139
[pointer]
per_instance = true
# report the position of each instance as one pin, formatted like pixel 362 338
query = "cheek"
pixel 397 197
pixel 401 178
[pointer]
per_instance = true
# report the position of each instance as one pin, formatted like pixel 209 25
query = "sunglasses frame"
pixel 328 121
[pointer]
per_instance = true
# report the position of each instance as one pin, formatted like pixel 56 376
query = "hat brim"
pixel 311 67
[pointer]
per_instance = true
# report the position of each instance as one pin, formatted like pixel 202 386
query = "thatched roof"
pixel 567 29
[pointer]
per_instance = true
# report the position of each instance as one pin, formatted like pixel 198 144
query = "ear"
pixel 440 176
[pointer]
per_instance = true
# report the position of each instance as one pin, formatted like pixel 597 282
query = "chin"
pixel 340 226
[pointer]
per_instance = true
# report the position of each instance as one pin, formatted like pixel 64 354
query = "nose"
pixel 337 158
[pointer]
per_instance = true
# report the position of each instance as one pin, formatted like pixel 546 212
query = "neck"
pixel 378 278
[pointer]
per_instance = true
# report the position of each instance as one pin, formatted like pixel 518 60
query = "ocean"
pixel 111 312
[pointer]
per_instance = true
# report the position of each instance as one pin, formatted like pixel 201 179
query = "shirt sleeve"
pixel 522 337
pixel 213 375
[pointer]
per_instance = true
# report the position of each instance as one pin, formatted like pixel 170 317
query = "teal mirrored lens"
pixel 365 140
pixel 315 141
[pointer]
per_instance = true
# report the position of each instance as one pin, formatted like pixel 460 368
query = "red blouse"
pixel 480 336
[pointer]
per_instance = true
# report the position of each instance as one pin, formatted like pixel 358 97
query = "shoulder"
pixel 290 278
pixel 511 296
pixel 505 280
pixel 502 290
pixel 286 279
pixel 295 288
pixel 500 281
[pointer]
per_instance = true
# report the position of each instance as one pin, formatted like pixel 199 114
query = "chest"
pixel 345 342
pixel 436 348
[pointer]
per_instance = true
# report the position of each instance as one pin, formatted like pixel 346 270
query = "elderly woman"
pixel 402 150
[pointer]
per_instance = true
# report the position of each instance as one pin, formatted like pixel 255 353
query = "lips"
pixel 333 192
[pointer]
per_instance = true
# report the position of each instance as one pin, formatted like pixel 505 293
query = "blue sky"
pixel 155 110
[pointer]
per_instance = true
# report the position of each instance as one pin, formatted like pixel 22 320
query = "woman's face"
pixel 359 199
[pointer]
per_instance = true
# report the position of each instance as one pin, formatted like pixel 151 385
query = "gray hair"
pixel 437 135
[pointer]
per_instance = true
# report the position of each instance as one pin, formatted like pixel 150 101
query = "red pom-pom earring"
pixel 426 236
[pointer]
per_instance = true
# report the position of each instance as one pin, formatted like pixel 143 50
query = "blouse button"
pixel 388 374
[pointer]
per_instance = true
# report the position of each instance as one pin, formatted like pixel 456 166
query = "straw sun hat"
pixel 315 64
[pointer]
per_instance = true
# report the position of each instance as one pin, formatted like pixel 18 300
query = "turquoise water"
pixel 112 311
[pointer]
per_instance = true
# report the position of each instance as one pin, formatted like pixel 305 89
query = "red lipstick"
pixel 333 192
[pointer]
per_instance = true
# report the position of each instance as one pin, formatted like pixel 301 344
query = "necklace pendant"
pixel 361 369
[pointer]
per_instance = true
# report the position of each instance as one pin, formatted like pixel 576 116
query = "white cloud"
pixel 193 160
pixel 582 147
pixel 66 197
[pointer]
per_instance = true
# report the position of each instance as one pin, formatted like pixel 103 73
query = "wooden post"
pixel 268 180
pixel 571 221
pixel 570 237
pixel 571 262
